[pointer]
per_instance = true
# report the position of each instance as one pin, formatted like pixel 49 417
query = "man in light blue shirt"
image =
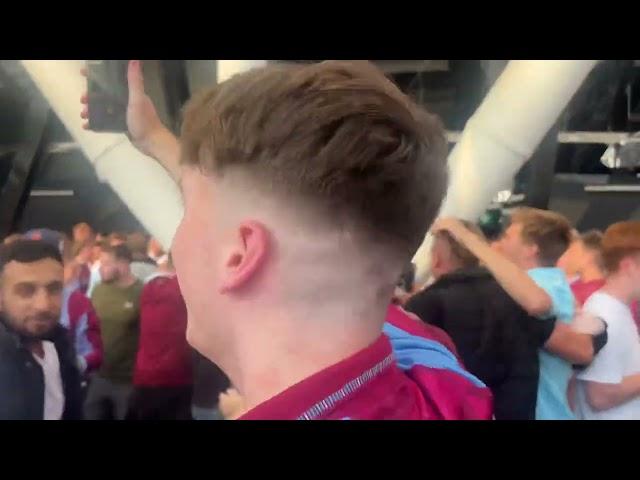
pixel 534 241
pixel 522 262
pixel 555 372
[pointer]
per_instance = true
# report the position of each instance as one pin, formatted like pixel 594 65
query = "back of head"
pixel 138 244
pixel 592 239
pixel 460 253
pixel 592 243
pixel 117 238
pixel 453 255
pixel 336 141
pixel 620 240
pixel 120 253
pixel 549 231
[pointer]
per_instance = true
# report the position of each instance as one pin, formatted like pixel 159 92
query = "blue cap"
pixel 46 235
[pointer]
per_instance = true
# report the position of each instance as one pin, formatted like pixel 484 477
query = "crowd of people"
pixel 119 303
pixel 307 190
pixel 536 313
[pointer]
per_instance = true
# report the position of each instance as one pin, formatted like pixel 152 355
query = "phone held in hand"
pixel 108 94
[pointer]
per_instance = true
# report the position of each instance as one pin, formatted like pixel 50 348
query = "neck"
pixel 284 352
pixel 126 280
pixel 591 273
pixel 527 264
pixel 619 288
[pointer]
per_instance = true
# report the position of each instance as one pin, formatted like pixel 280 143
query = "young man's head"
pixel 82 252
pixel 535 238
pixel 138 244
pixel 569 261
pixel 590 253
pixel 621 255
pixel 584 254
pixel 307 189
pixel 31 282
pixel 447 255
pixel 117 238
pixel 97 248
pixel 115 263
pixel 82 232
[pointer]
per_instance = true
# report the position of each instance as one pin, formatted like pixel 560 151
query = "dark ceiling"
pixel 452 89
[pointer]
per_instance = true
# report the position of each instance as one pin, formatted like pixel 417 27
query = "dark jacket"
pixel 22 379
pixel 496 339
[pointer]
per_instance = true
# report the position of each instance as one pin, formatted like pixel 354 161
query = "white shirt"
pixel 94 278
pixel 53 390
pixel 619 358
pixel 142 270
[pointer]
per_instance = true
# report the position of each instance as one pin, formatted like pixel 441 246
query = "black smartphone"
pixel 108 94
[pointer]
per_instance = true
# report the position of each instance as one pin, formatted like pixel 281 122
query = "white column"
pixel 503 133
pixel 142 184
pixel 228 68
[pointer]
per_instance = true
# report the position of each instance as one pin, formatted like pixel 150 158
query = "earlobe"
pixel 247 258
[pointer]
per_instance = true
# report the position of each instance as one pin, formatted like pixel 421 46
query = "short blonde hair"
pixel 549 231
pixel 460 253
pixel 137 243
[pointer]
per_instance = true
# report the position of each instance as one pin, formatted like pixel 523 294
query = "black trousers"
pixel 160 403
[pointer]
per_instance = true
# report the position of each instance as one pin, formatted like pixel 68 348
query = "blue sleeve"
pixel 555 284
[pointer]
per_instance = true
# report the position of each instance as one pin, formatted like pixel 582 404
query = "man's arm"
pixel 603 396
pixel 517 283
pixel 575 347
pixel 165 148
pixel 605 382
pixel 146 131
